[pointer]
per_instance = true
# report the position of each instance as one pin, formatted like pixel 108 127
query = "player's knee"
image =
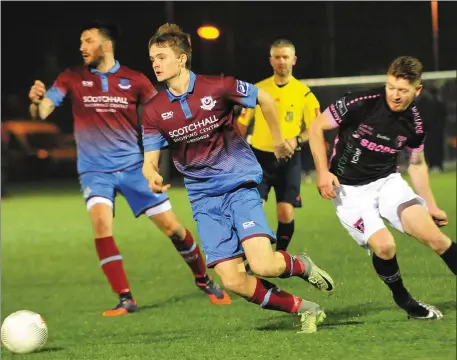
pixel 102 228
pixel 285 213
pixel 438 242
pixel 235 282
pixel 383 244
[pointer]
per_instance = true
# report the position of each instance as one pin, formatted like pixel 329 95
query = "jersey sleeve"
pixel 146 90
pixel 349 109
pixel 417 144
pixel 60 88
pixel 152 137
pixel 240 92
pixel 312 108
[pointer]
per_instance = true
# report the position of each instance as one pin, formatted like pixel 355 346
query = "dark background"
pixel 40 39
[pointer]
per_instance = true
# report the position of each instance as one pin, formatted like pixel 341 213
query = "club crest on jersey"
pixel 167 115
pixel 242 87
pixel 341 106
pixel 124 84
pixel 208 103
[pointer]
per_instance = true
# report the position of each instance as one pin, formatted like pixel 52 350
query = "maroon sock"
pixel 294 267
pixel 190 251
pixel 111 264
pixel 270 297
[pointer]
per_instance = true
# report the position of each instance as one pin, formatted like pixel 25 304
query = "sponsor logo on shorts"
pixel 86 192
pixel 248 224
pixel 360 226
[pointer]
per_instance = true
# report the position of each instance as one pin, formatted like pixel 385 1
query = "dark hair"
pixel 406 67
pixel 110 31
pixel 171 35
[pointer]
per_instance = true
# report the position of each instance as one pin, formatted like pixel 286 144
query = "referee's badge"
pixel 289 116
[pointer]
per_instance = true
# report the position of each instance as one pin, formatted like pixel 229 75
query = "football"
pixel 24 332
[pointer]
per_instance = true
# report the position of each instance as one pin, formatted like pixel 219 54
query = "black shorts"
pixel 283 176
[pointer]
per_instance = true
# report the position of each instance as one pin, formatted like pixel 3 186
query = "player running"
pixel 373 127
pixel 105 96
pixel 195 117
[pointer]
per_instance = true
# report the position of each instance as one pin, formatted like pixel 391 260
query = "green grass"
pixel 49 265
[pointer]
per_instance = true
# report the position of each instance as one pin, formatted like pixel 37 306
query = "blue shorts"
pixel 225 221
pixel 129 182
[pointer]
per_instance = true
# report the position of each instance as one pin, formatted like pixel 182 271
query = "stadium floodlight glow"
pixel 208 32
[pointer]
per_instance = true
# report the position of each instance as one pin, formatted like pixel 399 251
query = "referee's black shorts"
pixel 283 176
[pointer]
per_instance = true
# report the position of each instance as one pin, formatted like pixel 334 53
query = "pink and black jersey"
pixel 199 129
pixel 106 126
pixel 370 136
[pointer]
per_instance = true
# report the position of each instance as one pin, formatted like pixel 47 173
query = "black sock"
pixel 389 272
pixel 450 257
pixel 284 235
pixel 125 296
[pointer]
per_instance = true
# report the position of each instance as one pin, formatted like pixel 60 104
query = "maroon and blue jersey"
pixel 200 131
pixel 371 136
pixel 106 125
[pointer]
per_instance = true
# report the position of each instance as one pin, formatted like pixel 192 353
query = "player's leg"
pixel 287 189
pixel 157 207
pixel 406 211
pixel 266 294
pixel 255 235
pixel 357 209
pixel 188 248
pixel 99 192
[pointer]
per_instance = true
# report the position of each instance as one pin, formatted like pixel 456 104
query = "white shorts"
pixel 361 209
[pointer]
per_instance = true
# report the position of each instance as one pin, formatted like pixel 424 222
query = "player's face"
pixel 400 93
pixel 91 48
pixel 282 59
pixel 165 63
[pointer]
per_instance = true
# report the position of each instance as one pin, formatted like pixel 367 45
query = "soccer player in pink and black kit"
pixel 105 96
pixel 362 179
pixel 195 118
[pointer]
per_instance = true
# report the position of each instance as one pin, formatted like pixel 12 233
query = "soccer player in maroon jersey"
pixel 195 118
pixel 362 178
pixel 105 96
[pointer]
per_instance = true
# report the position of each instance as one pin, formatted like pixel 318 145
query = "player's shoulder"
pixel 76 70
pixel 157 101
pixel 365 97
pixel 127 72
pixel 300 86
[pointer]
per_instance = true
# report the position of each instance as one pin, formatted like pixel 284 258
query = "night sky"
pixel 41 39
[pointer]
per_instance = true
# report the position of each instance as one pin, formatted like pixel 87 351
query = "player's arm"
pixel 153 142
pixel 41 106
pixel 44 102
pixel 311 111
pixel 268 107
pixel 248 96
pixel 244 120
pixel 418 172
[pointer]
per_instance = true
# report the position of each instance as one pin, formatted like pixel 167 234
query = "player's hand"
pixel 326 183
pixel 37 92
pixel 156 184
pixel 283 150
pixel 292 143
pixel 439 216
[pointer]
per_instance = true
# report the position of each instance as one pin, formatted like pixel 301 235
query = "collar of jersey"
pixel 189 89
pixel 113 70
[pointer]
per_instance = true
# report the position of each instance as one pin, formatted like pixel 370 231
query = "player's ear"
pixel 294 60
pixel 183 60
pixel 419 89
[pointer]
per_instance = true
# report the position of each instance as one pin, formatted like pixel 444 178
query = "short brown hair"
pixel 406 67
pixel 282 43
pixel 171 35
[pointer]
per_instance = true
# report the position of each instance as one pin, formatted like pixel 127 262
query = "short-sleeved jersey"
pixel 106 126
pixel 199 129
pixel 296 106
pixel 370 136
